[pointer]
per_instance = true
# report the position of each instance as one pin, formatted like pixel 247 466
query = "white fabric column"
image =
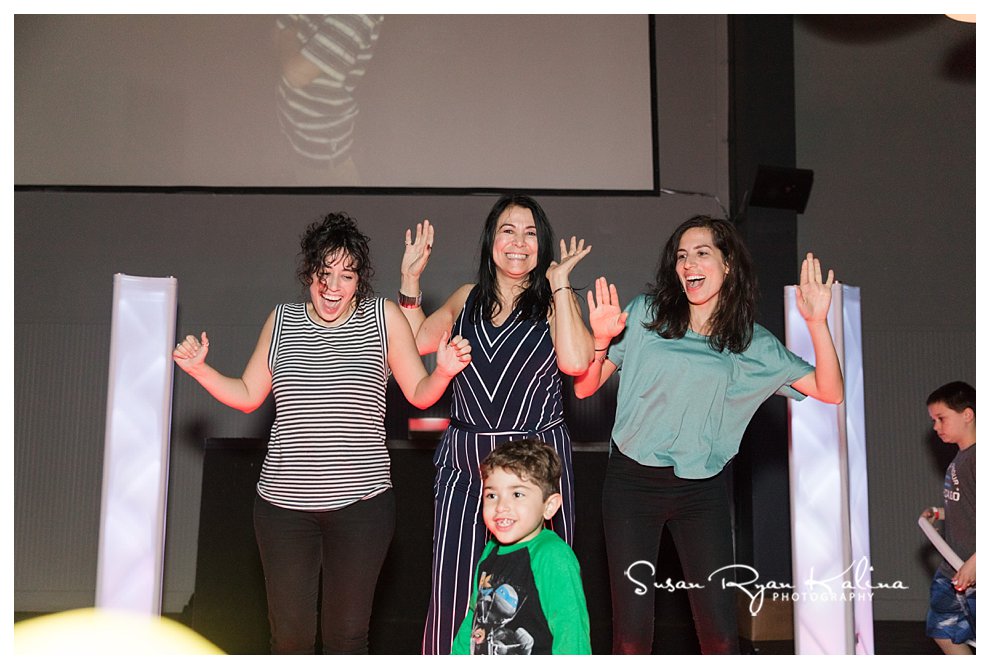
pixel 833 605
pixel 136 450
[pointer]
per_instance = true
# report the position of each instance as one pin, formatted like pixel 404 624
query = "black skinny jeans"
pixel 637 502
pixel 349 545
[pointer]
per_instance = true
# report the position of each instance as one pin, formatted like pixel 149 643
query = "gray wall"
pixel 891 135
pixel 892 143
pixel 234 258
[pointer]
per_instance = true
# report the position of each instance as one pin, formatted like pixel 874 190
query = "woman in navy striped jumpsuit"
pixel 525 326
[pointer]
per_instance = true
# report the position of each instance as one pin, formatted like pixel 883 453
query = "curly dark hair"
pixel 336 233
pixel 530 460
pixel 957 395
pixel 535 300
pixel 732 322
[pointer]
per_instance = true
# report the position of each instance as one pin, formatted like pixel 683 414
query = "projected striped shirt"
pixel 327 446
pixel 319 118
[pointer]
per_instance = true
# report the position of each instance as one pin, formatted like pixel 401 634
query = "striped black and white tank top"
pixel 327 446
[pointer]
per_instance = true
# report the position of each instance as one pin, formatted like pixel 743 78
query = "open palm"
pixel 604 313
pixel 813 295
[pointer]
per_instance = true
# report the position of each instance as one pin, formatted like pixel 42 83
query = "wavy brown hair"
pixel 732 322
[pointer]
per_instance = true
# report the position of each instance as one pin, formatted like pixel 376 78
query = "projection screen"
pixel 474 102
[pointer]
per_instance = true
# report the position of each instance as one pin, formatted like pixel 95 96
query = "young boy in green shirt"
pixel 527 597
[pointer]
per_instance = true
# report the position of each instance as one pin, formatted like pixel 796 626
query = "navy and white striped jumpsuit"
pixel 510 390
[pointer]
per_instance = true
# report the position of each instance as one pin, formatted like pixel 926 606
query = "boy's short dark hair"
pixel 957 395
pixel 530 460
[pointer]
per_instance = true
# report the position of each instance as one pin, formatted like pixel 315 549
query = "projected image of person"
pixel 525 325
pixel 323 58
pixel 693 369
pixel 324 510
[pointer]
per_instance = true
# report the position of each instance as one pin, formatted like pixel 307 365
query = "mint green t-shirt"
pixel 681 404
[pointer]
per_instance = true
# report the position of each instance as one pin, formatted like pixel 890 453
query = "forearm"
pixel 573 343
pixel 587 384
pixel 415 316
pixel 233 392
pixel 828 373
pixel 426 329
pixel 432 328
pixel 429 390
pixel 298 70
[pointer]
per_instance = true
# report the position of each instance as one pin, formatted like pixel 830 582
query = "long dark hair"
pixel 535 298
pixel 732 322
pixel 335 233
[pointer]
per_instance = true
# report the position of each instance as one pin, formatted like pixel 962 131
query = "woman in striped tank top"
pixel 324 498
pixel 525 326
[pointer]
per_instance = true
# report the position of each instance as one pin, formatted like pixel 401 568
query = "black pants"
pixel 637 502
pixel 349 545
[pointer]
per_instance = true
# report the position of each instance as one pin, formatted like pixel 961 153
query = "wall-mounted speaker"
pixel 781 188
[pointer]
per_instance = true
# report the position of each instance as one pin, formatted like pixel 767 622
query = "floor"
pixel 890 638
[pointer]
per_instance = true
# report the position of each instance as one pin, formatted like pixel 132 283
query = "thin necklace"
pixel 351 308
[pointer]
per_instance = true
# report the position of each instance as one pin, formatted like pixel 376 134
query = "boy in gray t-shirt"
pixel 952 609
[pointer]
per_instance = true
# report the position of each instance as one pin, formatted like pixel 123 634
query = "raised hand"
pixel 417 253
pixel 559 272
pixel 813 296
pixel 453 355
pixel 189 354
pixel 604 313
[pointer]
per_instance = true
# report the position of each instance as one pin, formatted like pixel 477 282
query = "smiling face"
pixel 514 508
pixel 952 427
pixel 332 290
pixel 515 247
pixel 700 267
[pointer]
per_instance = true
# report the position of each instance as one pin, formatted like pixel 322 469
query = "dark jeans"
pixel 349 545
pixel 636 504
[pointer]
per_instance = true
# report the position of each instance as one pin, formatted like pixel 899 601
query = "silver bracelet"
pixel 407 302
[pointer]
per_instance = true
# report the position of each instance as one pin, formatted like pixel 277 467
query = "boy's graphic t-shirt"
pixel 959 502
pixel 527 600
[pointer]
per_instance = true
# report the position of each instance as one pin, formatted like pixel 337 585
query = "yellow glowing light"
pixel 106 632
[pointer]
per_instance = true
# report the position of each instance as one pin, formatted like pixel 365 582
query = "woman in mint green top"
pixel 693 369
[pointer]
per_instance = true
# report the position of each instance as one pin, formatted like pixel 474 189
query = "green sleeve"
pixel 462 640
pixel 558 579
